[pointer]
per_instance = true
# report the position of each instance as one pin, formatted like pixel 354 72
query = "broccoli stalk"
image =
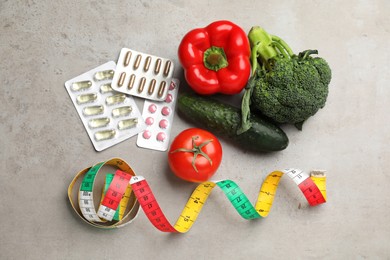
pixel 263 47
pixel 285 87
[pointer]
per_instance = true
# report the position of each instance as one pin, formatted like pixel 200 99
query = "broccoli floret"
pixel 285 87
pixel 293 90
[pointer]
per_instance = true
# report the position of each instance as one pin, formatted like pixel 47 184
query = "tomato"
pixel 195 155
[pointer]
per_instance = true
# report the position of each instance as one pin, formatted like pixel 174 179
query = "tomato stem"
pixel 196 150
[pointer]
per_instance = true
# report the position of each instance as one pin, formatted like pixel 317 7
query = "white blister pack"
pixel 109 117
pixel 158 118
pixel 143 75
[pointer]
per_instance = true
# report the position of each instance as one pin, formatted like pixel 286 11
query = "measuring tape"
pixel 118 204
pixel 124 193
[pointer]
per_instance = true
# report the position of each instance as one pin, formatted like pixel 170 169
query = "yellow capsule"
pixel 106 88
pixel 104 75
pixel 115 99
pixel 128 123
pixel 98 122
pixel 93 110
pixel 86 98
pixel 137 62
pixel 126 61
pixel 141 84
pixel 157 66
pixel 121 79
pixel 152 85
pixel 121 111
pixel 161 90
pixel 81 85
pixel 131 81
pixel 167 68
pixel 104 135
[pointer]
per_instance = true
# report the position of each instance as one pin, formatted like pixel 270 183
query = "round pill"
pixel 152 108
pixel 161 137
pixel 169 98
pixel 172 85
pixel 147 134
pixel 165 111
pixel 163 124
pixel 149 121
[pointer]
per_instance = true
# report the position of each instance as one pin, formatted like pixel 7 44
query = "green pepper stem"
pixel 196 150
pixel 214 58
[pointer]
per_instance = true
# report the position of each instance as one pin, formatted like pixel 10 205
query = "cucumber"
pixel 224 120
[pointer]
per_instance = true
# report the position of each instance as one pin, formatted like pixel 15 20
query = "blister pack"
pixel 143 75
pixel 158 118
pixel 109 117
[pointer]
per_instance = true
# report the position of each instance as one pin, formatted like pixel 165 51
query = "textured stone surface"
pixel 43 143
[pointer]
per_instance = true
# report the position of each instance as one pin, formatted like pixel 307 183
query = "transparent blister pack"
pixel 158 118
pixel 108 116
pixel 143 75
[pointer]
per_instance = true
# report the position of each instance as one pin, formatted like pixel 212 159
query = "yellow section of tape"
pixel 193 207
pixel 267 193
pixel 319 178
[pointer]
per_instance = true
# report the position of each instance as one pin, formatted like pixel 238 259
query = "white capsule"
pixel 105 135
pixel 81 85
pixel 115 99
pixel 98 122
pixel 104 75
pixel 106 88
pixel 86 98
pixel 128 123
pixel 93 110
pixel 121 111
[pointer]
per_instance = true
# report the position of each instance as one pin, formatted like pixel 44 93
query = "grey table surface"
pixel 43 143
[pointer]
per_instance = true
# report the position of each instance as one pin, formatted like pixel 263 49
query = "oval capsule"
pixel 152 85
pixel 131 82
pixel 104 75
pixel 106 88
pixel 115 99
pixel 157 66
pixel 99 122
pixel 161 89
pixel 121 79
pixel 126 61
pixel 167 68
pixel 86 98
pixel 137 62
pixel 141 84
pixel 147 63
pixel 121 111
pixel 105 135
pixel 93 110
pixel 128 123
pixel 81 85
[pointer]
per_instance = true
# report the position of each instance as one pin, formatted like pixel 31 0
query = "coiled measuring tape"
pixel 124 192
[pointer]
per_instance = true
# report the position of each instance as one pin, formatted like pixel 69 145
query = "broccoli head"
pixel 292 89
pixel 285 87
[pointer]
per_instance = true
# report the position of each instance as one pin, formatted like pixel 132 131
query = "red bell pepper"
pixel 216 58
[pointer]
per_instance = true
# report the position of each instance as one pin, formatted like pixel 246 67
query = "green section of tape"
pixel 238 199
pixel 87 184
